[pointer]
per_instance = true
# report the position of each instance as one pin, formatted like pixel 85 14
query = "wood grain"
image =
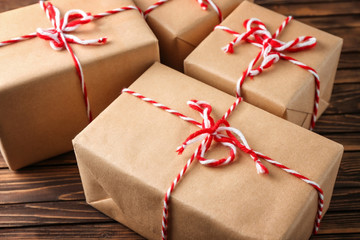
pixel 111 230
pixel 351 141
pixel 349 60
pixel 40 185
pixel 331 22
pixel 9 5
pixel 108 231
pixel 348 175
pixel 336 236
pixel 345 99
pixel 344 222
pixel 345 199
pixel 49 213
pixel 316 9
pixel 64 159
pixel 347 76
pixel 344 123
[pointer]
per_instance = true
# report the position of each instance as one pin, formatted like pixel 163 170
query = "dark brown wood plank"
pixel 63 159
pixel 9 5
pixel 111 230
pixel 351 37
pixel 336 236
pixel 345 123
pixel 340 222
pixel 347 76
pixel 41 184
pixel 49 213
pixel 351 141
pixel 264 2
pixel 330 22
pixel 345 199
pixel 345 99
pixel 316 9
pixel 348 175
pixel 350 60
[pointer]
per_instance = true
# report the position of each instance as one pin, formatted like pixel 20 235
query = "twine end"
pixel 180 150
pixel 229 49
pixel 203 6
pixel 261 169
pixel 102 40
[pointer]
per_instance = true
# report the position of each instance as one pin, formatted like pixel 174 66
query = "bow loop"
pixel 59 35
pixel 221 132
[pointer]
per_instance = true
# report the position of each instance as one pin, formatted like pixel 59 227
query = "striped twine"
pixel 203 4
pixel 271 52
pixel 223 133
pixel 60 38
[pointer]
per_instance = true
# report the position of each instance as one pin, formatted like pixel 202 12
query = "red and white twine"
pixel 203 4
pixel 60 38
pixel 271 52
pixel 223 133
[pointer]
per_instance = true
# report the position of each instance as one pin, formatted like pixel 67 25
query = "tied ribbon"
pixel 271 52
pixel 58 35
pixel 220 132
pixel 202 3
pixel 60 38
pixel 223 133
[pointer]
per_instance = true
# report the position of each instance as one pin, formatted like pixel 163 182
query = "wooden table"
pixel 46 200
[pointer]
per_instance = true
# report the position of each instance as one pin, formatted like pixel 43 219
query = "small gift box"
pixel 47 96
pixel 294 74
pixel 128 161
pixel 180 25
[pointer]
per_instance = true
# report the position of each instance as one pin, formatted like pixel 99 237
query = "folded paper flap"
pixel 139 139
pixel 118 28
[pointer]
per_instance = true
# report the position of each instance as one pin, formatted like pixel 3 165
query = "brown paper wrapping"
pixel 127 161
pixel 41 103
pixel 180 25
pixel 284 89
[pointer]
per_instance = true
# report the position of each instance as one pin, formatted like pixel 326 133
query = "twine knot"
pixel 220 132
pixel 59 34
pixel 271 47
pixel 271 52
pixel 203 4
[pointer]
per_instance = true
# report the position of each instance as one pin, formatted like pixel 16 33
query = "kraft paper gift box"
pixel 284 89
pixel 127 160
pixel 180 25
pixel 41 101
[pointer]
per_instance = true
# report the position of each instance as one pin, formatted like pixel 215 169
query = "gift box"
pixel 127 160
pixel 285 89
pixel 42 106
pixel 181 25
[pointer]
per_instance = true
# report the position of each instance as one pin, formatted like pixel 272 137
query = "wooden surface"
pixel 47 201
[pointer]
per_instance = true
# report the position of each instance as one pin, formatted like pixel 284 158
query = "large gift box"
pixel 286 88
pixel 127 160
pixel 180 25
pixel 42 106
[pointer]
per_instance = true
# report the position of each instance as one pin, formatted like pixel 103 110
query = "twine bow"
pixel 271 52
pixel 58 35
pixel 220 132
